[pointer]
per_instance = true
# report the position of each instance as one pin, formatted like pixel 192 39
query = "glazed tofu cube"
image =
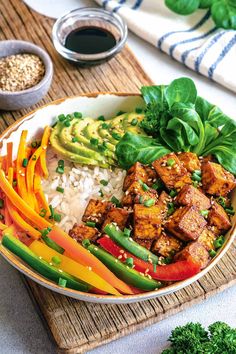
pixel 186 223
pixel 96 211
pixel 195 252
pixel 190 161
pixel 218 218
pixel 174 176
pixel 152 176
pixel 82 232
pixel 118 216
pixel 135 194
pixel 166 245
pixel 207 239
pixel 144 243
pixel 135 173
pixel 192 196
pixel 147 222
pixel 162 202
pixel 216 180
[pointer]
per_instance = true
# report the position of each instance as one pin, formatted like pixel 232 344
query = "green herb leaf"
pixel 224 13
pixel 182 89
pixel 183 7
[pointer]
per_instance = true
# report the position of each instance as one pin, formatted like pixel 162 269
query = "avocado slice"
pixel 41 266
pixel 127 123
pixel 74 157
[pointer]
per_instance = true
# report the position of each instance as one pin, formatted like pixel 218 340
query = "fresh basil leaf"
pixel 204 4
pixel 183 7
pixel 181 90
pixel 224 13
pixel 132 148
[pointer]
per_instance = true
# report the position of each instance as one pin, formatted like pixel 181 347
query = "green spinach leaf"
pixel 181 90
pixel 224 13
pixel 204 4
pixel 183 7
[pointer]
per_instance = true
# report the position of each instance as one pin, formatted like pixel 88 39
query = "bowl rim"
pixel 42 54
pixel 38 278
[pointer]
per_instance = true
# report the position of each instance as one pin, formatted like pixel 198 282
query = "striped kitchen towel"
pixel 193 40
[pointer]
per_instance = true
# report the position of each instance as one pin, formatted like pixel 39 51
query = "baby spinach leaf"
pixel 183 7
pixel 153 94
pixel 181 90
pixel 224 13
pixel 204 4
pixel 132 148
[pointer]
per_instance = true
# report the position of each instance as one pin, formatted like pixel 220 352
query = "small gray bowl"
pixel 11 101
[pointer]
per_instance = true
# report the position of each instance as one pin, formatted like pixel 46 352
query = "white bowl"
pixel 93 105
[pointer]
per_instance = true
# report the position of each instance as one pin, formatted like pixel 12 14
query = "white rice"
pixel 80 183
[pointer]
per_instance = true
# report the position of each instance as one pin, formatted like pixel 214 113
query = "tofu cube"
pixel 135 194
pixel 147 222
pixel 166 245
pixel 190 161
pixel 135 173
pixel 118 216
pixel 192 196
pixel 152 176
pixel 162 202
pixel 195 252
pixel 207 239
pixel 216 180
pixel 82 232
pixel 96 211
pixel 144 243
pixel 218 218
pixel 175 176
pixel 186 223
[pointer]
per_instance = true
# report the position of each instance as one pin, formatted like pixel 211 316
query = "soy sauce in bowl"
pixel 89 36
pixel 90 40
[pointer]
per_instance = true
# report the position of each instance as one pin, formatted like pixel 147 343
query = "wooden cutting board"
pixel 78 326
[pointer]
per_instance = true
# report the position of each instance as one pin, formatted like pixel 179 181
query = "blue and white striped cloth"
pixel 193 40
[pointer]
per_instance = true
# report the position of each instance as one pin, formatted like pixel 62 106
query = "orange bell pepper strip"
pixel 79 254
pixel 44 144
pixel 3 226
pixel 9 162
pixel 73 268
pixel 21 204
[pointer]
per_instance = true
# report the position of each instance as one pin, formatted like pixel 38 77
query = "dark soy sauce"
pixel 90 40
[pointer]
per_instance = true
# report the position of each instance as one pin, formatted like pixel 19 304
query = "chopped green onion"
pixel 149 203
pixel 74 139
pixel 56 260
pixel 61 117
pixel 78 115
pixel 173 193
pixel 230 211
pixel 57 217
pixel 204 213
pixel 120 113
pixel 14 183
pixel 170 162
pixel 25 162
pixel 141 199
pixel 61 163
pixel 60 189
pixel 85 243
pixel 101 118
pixel 158 184
pixel 43 212
pixel 94 141
pixel 51 211
pixel 34 144
pixel 62 282
pixel 129 261
pixel 67 123
pixel 46 231
pixel 115 201
pixel 102 147
pixel 144 185
pixel 91 224
pixel 171 208
pixel 195 184
pixel 101 193
pixel 197 172
pixel 104 182
pixel 105 126
pixel 116 136
pixel 212 253
pixel 134 122
pixel 60 170
pixel 127 232
pixel 218 243
pixel 196 177
pixel 1 203
pixel 221 201
pixel 138 110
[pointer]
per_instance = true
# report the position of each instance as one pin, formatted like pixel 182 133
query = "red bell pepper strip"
pixel 171 272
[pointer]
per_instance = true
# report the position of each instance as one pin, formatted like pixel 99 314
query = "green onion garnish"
pixel 51 211
pixel 198 172
pixel 78 115
pixel 134 122
pixel 105 126
pixel 57 217
pixel 138 110
pixel 61 163
pixel 43 212
pixel 102 147
pixel 60 189
pixel 230 211
pixel 173 193
pixel 212 253
pixel 56 260
pixel 85 242
pixel 196 177
pixel 62 282
pixel 60 170
pixel 115 201
pixel 46 231
pixel 90 224
pixel 94 141
pixel 104 182
pixel 67 123
pixel 171 208
pixel 61 117
pixel 25 162
pixel 74 139
pixel 1 203
pixel 101 193
pixel 158 184
pixel 204 212
pixel 127 232
pixel 129 261
pixel 149 203
pixel 218 243
pixel 116 136
pixel 221 201
pixel 101 118
pixel 170 162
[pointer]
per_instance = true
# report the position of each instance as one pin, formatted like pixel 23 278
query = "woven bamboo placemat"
pixel 77 326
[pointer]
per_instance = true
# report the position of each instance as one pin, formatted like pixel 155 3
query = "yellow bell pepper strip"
pixel 75 251
pixel 20 169
pixel 9 162
pixel 21 205
pixel 44 144
pixel 71 267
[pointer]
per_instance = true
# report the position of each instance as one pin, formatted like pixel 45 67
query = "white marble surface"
pixel 21 330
